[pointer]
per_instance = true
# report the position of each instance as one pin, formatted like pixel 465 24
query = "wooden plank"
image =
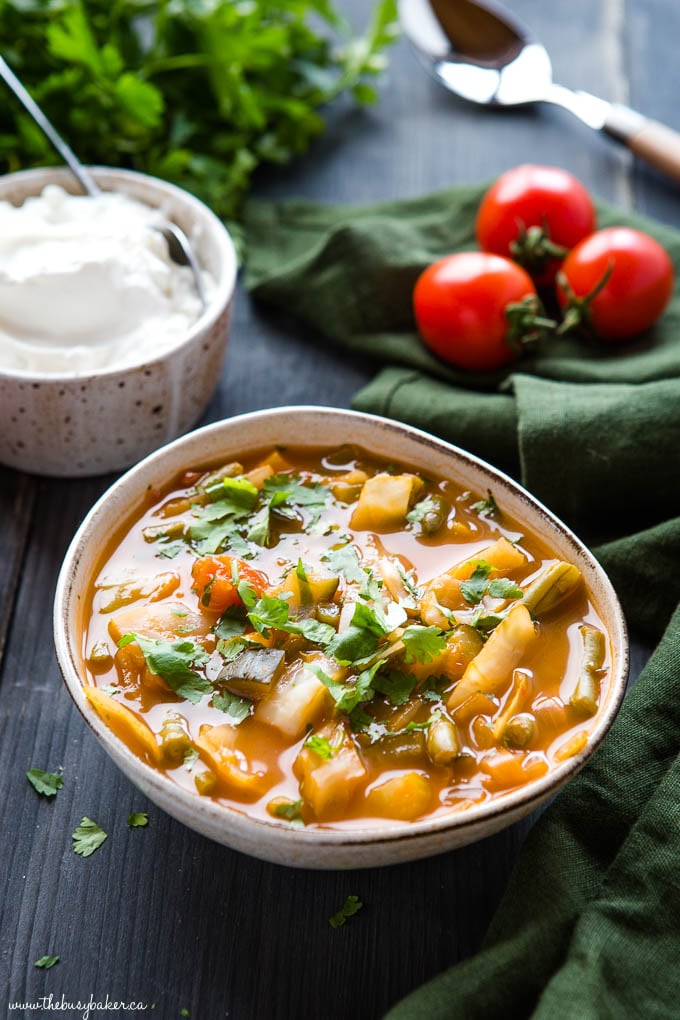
pixel 16 507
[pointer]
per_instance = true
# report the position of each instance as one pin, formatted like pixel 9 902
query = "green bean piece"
pixel 552 586
pixel 586 694
pixel 205 783
pixel 328 612
pixel 434 517
pixel 443 742
pixel 175 741
pixel 231 470
pixel 163 531
pixel 519 731
pixel 100 657
pixel 407 746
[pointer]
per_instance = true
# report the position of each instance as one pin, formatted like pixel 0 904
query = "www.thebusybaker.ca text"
pixel 84 1009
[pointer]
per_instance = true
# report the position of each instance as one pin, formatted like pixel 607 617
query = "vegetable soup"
pixel 323 638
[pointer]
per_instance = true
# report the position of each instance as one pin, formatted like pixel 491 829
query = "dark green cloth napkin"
pixel 590 924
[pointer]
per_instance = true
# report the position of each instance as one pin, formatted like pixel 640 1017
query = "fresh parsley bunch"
pixel 200 92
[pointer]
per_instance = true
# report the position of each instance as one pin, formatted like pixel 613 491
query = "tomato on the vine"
pixel 535 215
pixel 475 310
pixel 616 282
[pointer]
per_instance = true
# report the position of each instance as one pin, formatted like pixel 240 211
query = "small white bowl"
pixel 98 421
pixel 315 426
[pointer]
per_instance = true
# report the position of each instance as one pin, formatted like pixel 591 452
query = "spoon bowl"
pixel 480 52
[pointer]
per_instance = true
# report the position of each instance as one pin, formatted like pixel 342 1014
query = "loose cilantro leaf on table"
pixel 45 783
pixel 46 962
pixel 172 661
pixel 198 93
pixel 350 907
pixel 87 838
pixel 138 820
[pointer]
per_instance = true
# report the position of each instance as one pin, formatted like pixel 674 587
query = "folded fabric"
pixel 589 925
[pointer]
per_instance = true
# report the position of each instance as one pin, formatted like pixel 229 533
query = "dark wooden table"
pixel 160 914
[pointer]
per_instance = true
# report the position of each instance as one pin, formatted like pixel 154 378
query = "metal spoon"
pixel 179 249
pixel 482 53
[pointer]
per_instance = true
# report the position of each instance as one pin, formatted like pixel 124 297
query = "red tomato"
pixel 628 300
pixel 535 214
pixel 214 581
pixel 463 305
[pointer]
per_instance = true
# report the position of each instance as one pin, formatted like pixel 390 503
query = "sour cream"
pixel 85 284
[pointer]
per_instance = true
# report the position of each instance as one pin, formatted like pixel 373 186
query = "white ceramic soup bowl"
pixel 275 840
pixel 91 422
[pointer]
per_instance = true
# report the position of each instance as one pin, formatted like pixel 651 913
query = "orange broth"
pixel 396 755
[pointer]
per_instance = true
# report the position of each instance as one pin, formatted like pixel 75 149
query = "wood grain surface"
pixel 160 914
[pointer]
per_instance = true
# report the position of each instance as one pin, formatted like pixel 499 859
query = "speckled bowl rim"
pixel 184 804
pixel 228 261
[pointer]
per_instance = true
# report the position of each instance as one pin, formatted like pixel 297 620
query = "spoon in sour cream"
pixel 179 248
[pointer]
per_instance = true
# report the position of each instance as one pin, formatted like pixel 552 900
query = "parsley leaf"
pixel 46 962
pixel 87 838
pixel 172 661
pixel 423 644
pixel 138 820
pixel 205 94
pixel 473 589
pixel 45 783
pixel 350 907
pixel 237 709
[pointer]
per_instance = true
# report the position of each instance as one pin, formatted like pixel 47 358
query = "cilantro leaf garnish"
pixel 486 507
pixel 237 709
pixel 479 585
pixel 87 838
pixel 504 588
pixel 46 962
pixel 474 588
pixel 190 758
pixel 172 661
pixel 344 560
pixel 423 644
pixel 371 587
pixel 45 783
pixel 231 624
pixel 420 509
pixel 350 693
pixel 271 613
pixel 138 820
pixel 290 810
pixel 397 686
pixel 350 907
pixel 320 745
